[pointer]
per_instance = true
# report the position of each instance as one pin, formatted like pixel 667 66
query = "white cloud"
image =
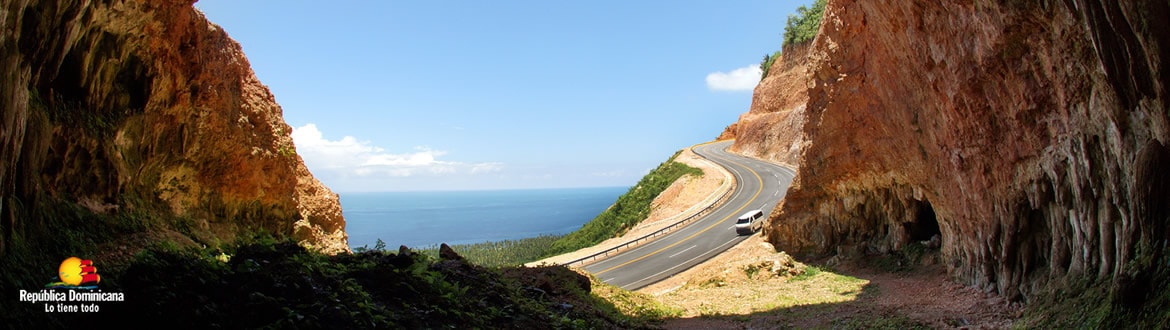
pixel 609 174
pixel 349 157
pixel 486 168
pixel 742 79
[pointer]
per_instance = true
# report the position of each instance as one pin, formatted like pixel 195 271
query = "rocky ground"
pixel 725 292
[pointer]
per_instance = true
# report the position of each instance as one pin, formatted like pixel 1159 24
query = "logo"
pixel 74 272
pixel 79 279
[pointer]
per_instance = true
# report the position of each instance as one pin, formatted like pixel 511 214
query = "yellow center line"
pixel 733 213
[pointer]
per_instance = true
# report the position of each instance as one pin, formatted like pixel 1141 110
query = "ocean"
pixel 421 219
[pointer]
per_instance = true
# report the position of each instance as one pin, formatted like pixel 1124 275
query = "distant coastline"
pixel 424 218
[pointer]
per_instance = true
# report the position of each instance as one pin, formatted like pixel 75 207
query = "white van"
pixel 749 222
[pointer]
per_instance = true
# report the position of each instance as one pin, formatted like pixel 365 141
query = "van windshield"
pixel 743 220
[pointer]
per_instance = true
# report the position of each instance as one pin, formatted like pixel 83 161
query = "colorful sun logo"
pixel 74 272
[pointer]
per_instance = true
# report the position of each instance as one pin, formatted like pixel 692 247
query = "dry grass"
pixel 737 285
pixel 725 292
pixel 635 304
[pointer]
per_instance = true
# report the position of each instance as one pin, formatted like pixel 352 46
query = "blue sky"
pixel 469 95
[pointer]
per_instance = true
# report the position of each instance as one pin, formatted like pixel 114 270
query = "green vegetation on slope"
pixel 1133 300
pixel 630 208
pixel 638 305
pixel 801 28
pixel 54 230
pixel 269 283
pixel 766 63
pixel 502 253
pixel 803 25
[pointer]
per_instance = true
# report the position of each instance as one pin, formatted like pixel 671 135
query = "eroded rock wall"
pixel 771 129
pixel 1031 135
pixel 124 105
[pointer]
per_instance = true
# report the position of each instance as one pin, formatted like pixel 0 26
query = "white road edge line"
pixel 710 216
pixel 680 252
pixel 684 262
pixel 643 245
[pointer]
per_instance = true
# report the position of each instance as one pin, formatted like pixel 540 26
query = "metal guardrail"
pixel 663 231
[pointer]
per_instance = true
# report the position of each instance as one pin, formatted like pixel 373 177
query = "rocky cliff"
pixel 1030 135
pixel 125 107
pixel 771 127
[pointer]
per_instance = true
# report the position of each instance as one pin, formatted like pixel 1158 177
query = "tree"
pixel 803 25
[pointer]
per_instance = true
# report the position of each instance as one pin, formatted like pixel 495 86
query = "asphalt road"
pixel 761 186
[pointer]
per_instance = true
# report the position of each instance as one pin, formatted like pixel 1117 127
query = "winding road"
pixel 760 186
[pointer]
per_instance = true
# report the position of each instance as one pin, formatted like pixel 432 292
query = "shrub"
pixel 276 283
pixel 803 25
pixel 502 253
pixel 766 63
pixel 800 28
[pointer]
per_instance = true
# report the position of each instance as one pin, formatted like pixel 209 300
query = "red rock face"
pixel 136 104
pixel 771 128
pixel 1030 135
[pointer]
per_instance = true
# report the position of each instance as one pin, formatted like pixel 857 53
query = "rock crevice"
pixel 1033 134
pixel 123 105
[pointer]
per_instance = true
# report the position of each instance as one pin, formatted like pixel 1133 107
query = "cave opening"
pixel 925 224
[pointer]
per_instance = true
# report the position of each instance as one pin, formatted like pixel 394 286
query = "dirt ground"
pixel 722 293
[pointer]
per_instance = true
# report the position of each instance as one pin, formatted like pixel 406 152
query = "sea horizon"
pixel 472 190
pixel 420 219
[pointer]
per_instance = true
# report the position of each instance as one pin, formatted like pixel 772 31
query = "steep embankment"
pixel 144 107
pixel 771 128
pixel 1030 135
